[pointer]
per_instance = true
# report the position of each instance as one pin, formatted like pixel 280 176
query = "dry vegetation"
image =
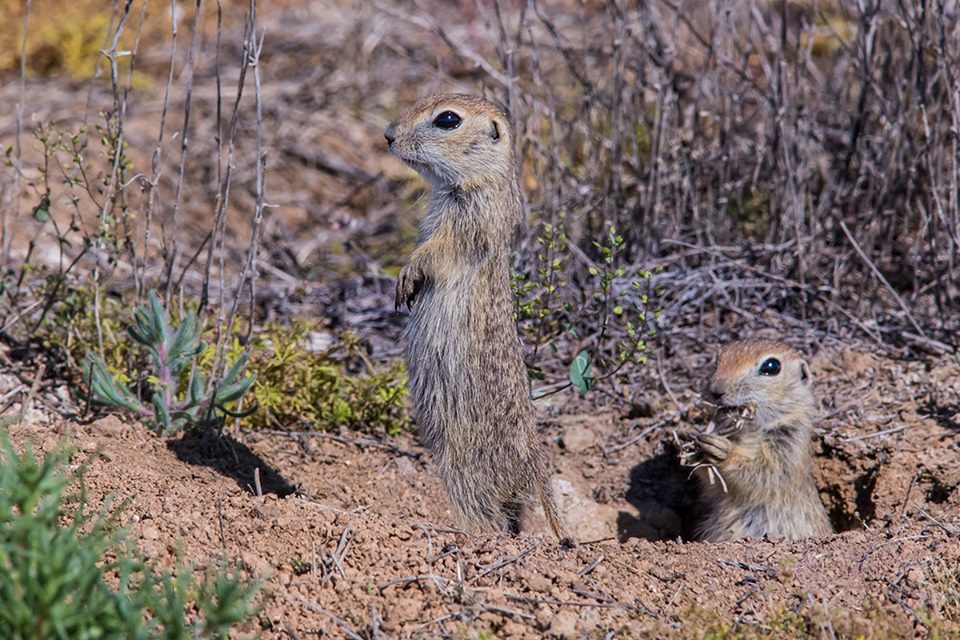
pixel 787 164
pixel 693 171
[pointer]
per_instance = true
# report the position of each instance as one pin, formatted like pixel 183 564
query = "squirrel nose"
pixel 712 393
pixel 390 133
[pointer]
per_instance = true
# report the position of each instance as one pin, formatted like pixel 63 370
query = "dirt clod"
pixel 564 625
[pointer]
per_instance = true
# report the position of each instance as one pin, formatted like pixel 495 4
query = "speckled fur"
pixel 467 376
pixel 767 465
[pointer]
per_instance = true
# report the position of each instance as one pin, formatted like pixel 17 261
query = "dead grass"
pixel 65 39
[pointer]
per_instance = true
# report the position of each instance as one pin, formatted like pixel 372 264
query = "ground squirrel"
pixel 763 392
pixel 465 364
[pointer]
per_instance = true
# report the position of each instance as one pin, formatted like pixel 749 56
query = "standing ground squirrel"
pixel 464 358
pixel 765 407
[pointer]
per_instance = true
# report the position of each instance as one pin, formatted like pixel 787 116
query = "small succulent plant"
pixel 174 404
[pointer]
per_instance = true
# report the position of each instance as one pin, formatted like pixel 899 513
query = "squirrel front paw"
pixel 409 284
pixel 714 448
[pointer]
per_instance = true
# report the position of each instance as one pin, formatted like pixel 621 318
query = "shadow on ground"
pixel 665 497
pixel 231 458
pixel 946 415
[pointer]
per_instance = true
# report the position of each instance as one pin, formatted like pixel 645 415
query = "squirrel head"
pixel 455 141
pixel 767 374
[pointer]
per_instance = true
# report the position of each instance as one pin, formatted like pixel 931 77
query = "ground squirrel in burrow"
pixel 467 377
pixel 763 394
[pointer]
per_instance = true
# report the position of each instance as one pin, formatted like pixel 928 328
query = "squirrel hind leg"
pixel 513 517
pixel 480 512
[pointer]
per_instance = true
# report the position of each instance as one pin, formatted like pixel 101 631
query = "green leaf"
pixel 158 317
pixel 185 343
pixel 234 391
pixel 104 388
pixel 236 368
pixel 196 389
pixel 161 412
pixel 41 212
pixel 580 374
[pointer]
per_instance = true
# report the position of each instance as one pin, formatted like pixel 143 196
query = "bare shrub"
pixel 116 212
pixel 786 162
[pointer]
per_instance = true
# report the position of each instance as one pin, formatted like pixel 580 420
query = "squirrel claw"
pixel 408 286
pixel 714 448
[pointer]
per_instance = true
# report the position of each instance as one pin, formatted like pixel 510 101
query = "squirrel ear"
pixel 494 131
pixel 805 373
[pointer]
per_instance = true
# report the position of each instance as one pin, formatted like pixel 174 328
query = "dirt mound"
pixel 354 537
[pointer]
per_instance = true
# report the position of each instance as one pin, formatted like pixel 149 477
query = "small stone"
pixel 544 616
pixel 404 466
pixel 108 426
pixel 254 562
pixel 513 630
pixel 578 438
pixel 564 625
pixel 915 577
pixel 150 532
pixel 538 583
pixel 589 619
pixel 584 518
pixel 319 341
pixel 152 549
pixel 9 383
pixel 407 609
pixel 35 416
pixel 264 511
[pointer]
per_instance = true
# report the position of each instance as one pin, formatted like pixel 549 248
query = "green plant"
pixel 68 572
pixel 181 396
pixel 614 308
pixel 70 327
pixel 300 566
pixel 77 208
pixel 539 296
pixel 626 312
pixel 333 387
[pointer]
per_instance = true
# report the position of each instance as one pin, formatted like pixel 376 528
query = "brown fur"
pixel 766 464
pixel 467 376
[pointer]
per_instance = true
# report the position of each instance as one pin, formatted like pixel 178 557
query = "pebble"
pixel 150 532
pixel 544 616
pixel 578 438
pixel 564 625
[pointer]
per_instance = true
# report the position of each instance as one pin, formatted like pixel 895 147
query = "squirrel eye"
pixel 770 367
pixel 447 120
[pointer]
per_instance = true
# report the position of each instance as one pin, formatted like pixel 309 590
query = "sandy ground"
pixel 354 537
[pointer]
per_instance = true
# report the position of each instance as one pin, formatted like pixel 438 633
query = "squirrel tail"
pixel 553 516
